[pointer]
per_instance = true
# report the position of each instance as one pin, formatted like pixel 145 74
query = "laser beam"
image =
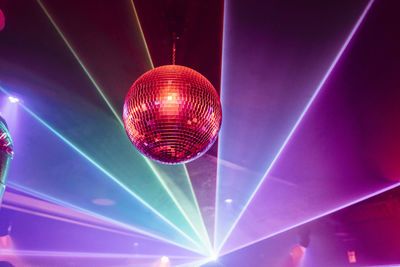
pixel 316 217
pixel 62 219
pixel 98 166
pixel 217 186
pixel 109 174
pixel 203 226
pixel 300 118
pixel 80 62
pixel 142 34
pixel 203 237
pixel 100 91
pixel 204 231
pixel 69 254
pixel 96 215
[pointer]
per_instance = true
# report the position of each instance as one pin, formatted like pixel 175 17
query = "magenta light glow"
pixel 297 255
pixel 351 254
pixel 2 20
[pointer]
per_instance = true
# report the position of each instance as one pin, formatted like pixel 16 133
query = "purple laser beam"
pixel 317 217
pixel 307 107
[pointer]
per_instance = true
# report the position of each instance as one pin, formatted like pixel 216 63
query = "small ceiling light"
pixel 228 201
pixel 13 99
pixel 164 259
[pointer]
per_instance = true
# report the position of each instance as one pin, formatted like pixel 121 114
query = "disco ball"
pixel 172 114
pixel 6 154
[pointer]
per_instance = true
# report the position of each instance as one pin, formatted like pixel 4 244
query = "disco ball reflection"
pixel 172 114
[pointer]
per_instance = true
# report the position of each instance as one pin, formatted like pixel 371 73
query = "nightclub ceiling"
pixel 309 147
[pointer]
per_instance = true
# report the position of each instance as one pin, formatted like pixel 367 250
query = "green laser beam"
pixel 151 165
pixel 80 62
pixel 203 237
pixel 69 143
pixel 203 228
pixel 169 191
pixel 184 166
pixel 203 225
pixel 108 174
pixel 186 200
pixel 142 34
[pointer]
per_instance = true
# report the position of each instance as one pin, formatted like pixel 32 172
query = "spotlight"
pixel 214 257
pixel 213 261
pixel 164 259
pixel 228 201
pixel 13 99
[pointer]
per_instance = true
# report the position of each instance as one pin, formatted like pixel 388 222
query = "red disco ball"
pixel 172 114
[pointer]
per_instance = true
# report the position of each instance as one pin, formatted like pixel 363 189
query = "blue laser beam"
pixel 75 148
pixel 63 219
pixel 95 215
pixel 202 235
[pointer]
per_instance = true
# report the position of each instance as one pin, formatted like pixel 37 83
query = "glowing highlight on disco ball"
pixel 172 114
